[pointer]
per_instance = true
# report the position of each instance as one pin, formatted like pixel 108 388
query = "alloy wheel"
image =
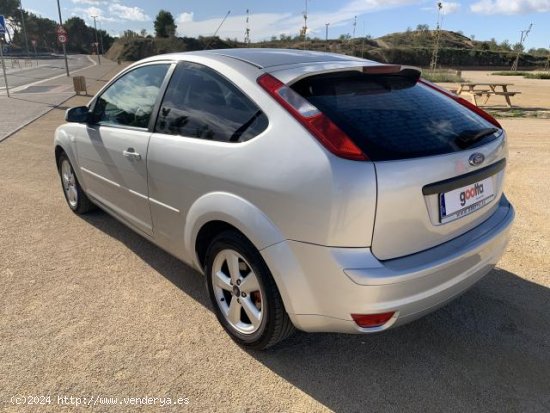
pixel 238 292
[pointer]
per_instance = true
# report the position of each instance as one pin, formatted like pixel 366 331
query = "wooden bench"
pixel 469 88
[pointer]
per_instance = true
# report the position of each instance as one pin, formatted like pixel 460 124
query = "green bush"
pixel 527 75
pixel 509 73
pixel 442 77
pixel 538 75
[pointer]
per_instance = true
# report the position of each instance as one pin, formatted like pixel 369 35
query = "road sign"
pixel 60 30
pixel 62 38
pixel 2 24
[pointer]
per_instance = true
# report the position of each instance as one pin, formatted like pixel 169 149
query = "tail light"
pixel 317 123
pixel 372 320
pixel 464 103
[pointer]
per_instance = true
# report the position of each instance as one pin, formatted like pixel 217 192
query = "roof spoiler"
pixel 410 72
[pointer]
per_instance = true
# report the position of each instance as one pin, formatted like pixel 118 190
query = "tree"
pixel 505 45
pixel 518 47
pixel 9 8
pixel 129 34
pixel 80 36
pixel 165 26
pixel 42 30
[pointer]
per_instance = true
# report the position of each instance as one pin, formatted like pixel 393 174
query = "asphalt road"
pixel 89 308
pixel 47 68
pixel 43 88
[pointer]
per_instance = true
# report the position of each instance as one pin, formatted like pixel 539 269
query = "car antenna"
pixel 216 32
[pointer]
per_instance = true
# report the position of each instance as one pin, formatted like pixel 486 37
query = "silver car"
pixel 315 191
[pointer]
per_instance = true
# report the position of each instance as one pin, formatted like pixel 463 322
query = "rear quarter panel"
pixel 307 193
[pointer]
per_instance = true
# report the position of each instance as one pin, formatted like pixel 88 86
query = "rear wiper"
pixel 468 138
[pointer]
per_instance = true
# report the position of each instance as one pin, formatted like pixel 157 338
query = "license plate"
pixel 463 201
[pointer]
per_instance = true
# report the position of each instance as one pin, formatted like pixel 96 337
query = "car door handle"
pixel 130 153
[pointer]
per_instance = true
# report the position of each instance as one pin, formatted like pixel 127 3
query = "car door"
pixel 112 153
pixel 203 121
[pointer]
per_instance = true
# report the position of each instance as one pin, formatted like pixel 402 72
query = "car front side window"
pixel 130 100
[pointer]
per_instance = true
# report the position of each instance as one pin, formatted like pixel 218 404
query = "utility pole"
pixel 63 44
pixel 352 40
pixel 247 30
pixel 326 36
pixel 363 41
pixel 304 29
pixel 24 29
pixel 524 34
pixel 96 41
pixel 433 63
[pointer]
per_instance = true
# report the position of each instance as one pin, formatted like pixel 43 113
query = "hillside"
pixel 425 38
pixel 136 48
pixel 413 47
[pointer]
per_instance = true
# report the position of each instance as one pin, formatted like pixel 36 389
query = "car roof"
pixel 267 58
pixel 264 58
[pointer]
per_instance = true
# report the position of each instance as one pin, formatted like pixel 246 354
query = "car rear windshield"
pixel 392 117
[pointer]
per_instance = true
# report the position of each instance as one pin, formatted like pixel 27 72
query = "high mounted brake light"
pixel 381 69
pixel 464 103
pixel 317 123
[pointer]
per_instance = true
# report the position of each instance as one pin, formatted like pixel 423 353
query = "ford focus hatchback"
pixel 314 191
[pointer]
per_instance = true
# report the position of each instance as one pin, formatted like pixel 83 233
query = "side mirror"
pixel 80 114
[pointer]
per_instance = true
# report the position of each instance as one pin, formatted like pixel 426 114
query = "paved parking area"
pixel 38 89
pixel 88 308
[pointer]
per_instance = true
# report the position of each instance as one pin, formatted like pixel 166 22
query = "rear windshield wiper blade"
pixel 468 138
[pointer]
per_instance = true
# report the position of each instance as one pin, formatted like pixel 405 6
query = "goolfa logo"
pixel 471 192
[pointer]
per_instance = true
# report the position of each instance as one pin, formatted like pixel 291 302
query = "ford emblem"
pixel 476 159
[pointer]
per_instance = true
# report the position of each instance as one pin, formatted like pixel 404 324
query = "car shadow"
pixel 489 350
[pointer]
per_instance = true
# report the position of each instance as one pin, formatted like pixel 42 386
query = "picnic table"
pixel 486 90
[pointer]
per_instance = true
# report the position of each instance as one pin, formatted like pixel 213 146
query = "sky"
pixel 485 19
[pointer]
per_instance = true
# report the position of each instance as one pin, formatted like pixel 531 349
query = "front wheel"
pixel 245 297
pixel 74 195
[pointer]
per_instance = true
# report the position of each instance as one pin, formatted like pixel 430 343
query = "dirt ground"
pixel 535 93
pixel 89 308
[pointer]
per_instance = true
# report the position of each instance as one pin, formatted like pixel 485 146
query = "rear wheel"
pixel 244 295
pixel 74 195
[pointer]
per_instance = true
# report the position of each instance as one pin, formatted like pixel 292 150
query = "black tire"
pixel 275 324
pixel 83 203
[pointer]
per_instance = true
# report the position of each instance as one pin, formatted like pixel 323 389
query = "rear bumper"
pixel 323 286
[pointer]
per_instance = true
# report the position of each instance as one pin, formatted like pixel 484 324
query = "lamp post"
pixel 63 44
pixel 101 39
pixel 326 36
pixel 96 41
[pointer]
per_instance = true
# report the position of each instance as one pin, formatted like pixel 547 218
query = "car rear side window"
pixel 392 117
pixel 200 103
pixel 129 101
